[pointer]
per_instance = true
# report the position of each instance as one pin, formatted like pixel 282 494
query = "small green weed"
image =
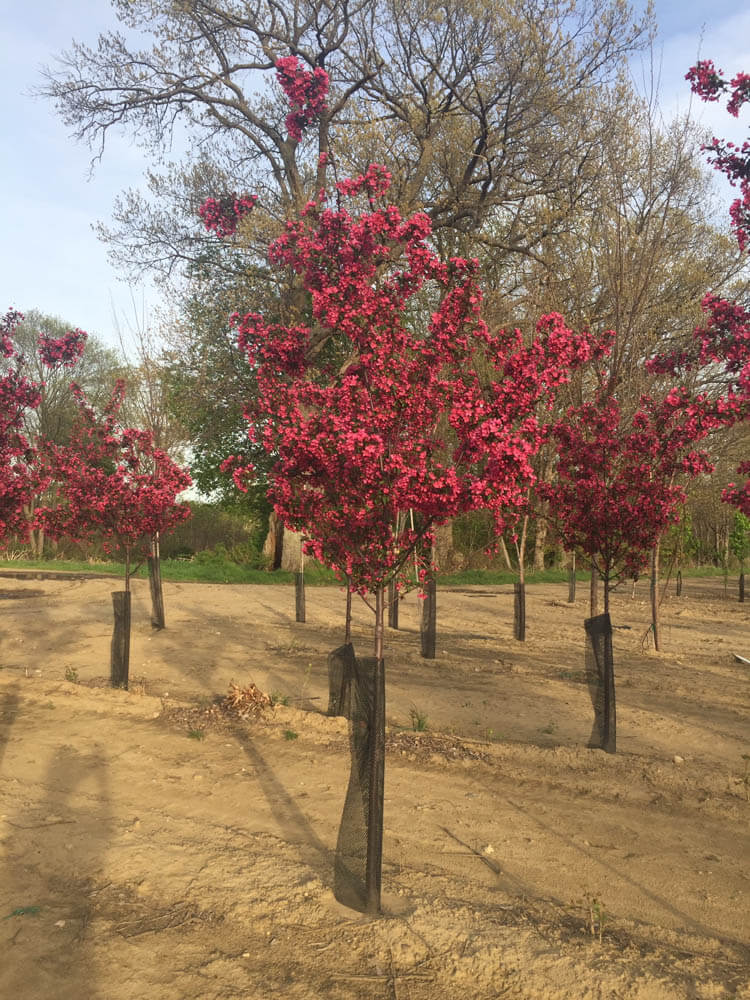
pixel 289 734
pixel 597 916
pixel 23 911
pixel 277 698
pixel 418 720
pixel 196 734
pixel 71 674
pixel 578 676
pixel 549 729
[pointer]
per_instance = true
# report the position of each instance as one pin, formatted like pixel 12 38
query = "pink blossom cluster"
pixel 240 470
pixel 113 484
pixel 723 339
pixel 435 418
pixel 63 351
pixel 306 92
pixel 221 215
pixel 739 496
pixel 728 158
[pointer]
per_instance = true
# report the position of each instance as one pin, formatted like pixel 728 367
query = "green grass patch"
pixel 180 571
pixel 220 570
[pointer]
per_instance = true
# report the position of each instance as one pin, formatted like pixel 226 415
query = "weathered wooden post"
pixel 120 655
pixel 428 628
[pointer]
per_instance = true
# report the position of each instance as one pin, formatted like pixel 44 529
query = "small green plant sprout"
pixel 289 734
pixel 71 674
pixel 277 698
pixel 597 917
pixel 196 734
pixel 23 911
pixel 418 720
pixel 549 728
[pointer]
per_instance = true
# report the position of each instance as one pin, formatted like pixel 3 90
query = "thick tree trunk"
pixel 443 553
pixel 273 546
pixel 291 555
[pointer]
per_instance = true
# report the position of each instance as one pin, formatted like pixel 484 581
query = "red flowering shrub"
pixel 112 484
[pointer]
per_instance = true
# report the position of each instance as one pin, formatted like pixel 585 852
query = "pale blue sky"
pixel 51 260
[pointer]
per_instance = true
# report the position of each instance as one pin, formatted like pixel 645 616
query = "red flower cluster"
pixel 739 496
pixel 432 414
pixel 64 351
pixel 729 159
pixel 112 483
pixel 221 215
pixel 306 92
pixel 724 339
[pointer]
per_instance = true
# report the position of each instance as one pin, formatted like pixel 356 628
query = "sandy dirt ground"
pixel 153 849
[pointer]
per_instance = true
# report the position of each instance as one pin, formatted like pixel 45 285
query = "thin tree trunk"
pixel 521 550
pixel 655 593
pixel 154 580
pixel 299 591
pixel 392 605
pixel 348 625
pixel 506 556
pixel 572 579
pixel 594 591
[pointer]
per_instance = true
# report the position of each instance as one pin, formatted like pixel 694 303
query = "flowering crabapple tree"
pixel 20 476
pixel 720 352
pixel 620 482
pixel 113 484
pixel 396 397
pixel 727 337
pixel 394 416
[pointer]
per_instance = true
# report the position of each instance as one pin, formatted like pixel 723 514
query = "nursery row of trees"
pixel 468 271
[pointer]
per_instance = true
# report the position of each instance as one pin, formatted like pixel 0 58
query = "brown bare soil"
pixel 155 847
